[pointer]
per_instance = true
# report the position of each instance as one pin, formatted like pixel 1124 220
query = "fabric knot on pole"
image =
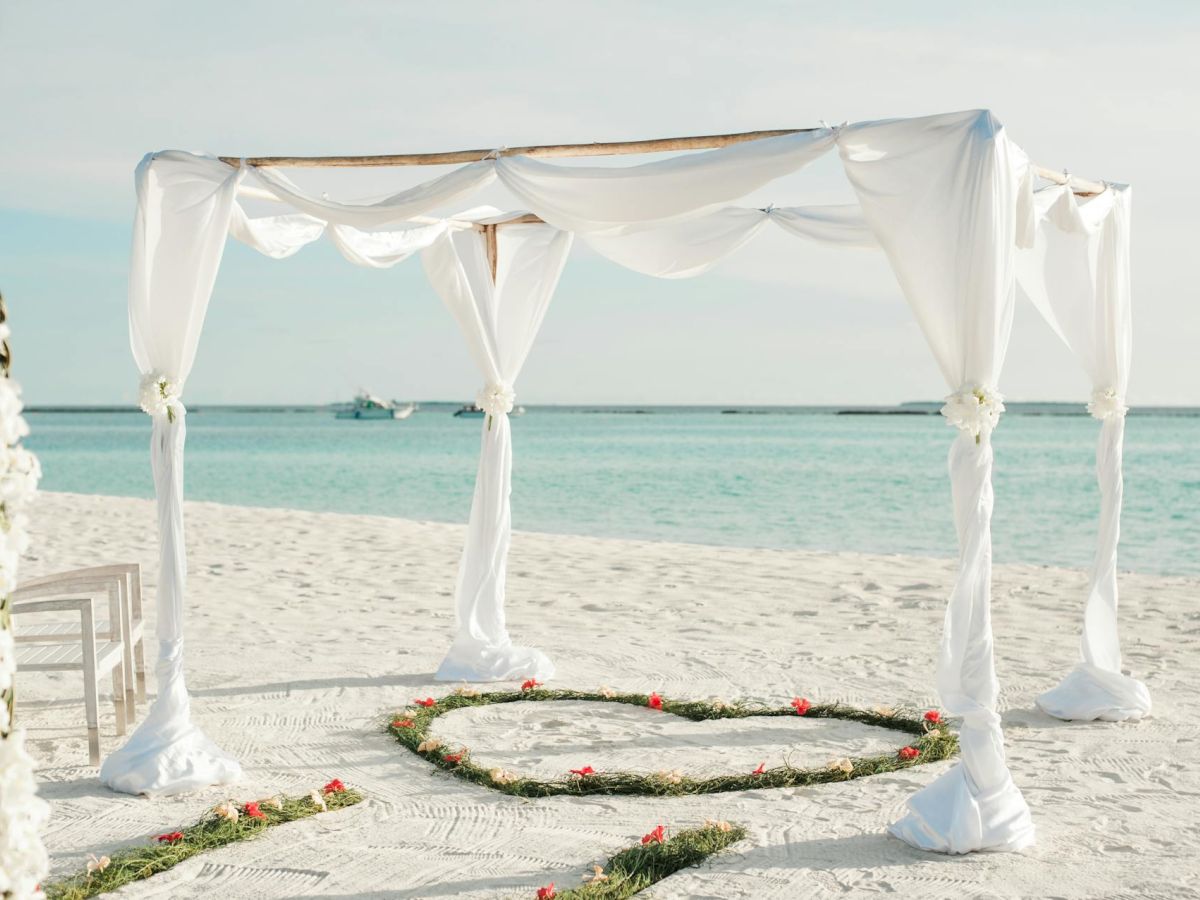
pixel 160 397
pixel 975 410
pixel 1106 403
pixel 494 154
pixel 496 400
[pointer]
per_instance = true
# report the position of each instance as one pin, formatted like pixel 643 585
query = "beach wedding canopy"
pixel 951 201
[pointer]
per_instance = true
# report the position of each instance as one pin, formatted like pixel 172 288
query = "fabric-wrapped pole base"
pixel 469 660
pixel 1089 693
pixel 167 754
pixel 952 815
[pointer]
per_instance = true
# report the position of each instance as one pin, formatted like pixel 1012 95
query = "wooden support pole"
pixel 609 148
pixel 489 236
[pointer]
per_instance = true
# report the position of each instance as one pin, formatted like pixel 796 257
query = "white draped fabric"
pixel 690 247
pixel 397 208
pixel 594 200
pixel 1077 275
pixel 499 321
pixel 946 197
pixel 184 207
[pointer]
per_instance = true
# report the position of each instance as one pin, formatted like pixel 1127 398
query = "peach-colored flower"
pixel 607 692
pixel 429 745
pixel 97 865
pixel 843 765
pixel 503 776
pixel 227 810
pixel 672 776
pixel 597 875
pixel 317 800
pixel 718 824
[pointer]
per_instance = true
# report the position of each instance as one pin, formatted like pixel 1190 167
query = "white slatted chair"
pixel 123 584
pixel 92 654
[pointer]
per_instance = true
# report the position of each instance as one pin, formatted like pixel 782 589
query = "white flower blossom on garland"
pixel 1106 403
pixel 160 397
pixel 496 400
pixel 975 410
pixel 23 861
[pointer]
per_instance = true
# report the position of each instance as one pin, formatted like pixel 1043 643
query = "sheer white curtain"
pixel 1077 275
pixel 947 198
pixel 184 207
pixel 684 248
pixel 611 200
pixel 499 321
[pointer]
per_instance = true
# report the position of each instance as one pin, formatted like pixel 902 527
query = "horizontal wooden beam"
pixel 609 148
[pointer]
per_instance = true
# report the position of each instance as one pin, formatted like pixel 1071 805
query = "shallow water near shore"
pixel 774 478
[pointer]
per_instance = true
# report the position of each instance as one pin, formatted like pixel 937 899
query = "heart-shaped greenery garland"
pixel 934 741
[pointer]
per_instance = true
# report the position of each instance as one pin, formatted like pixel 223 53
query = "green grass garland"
pixel 212 831
pixel 636 868
pixel 933 741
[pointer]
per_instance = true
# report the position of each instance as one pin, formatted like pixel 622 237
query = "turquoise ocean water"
pixel 799 478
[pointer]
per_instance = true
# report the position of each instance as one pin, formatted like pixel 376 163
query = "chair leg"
pixel 93 746
pixel 125 603
pixel 118 680
pixel 139 662
pixel 91 691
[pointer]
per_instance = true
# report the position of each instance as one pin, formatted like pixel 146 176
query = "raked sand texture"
pixel 306 630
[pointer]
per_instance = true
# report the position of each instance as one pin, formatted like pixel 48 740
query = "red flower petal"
pixel 801 705
pixel 655 701
pixel 933 716
pixel 547 892
pixel 762 767
pixel 656 836
pixel 334 787
pixel 428 701
pixel 586 770
pixel 909 752
pixel 403 723
pixel 455 758
pixel 530 684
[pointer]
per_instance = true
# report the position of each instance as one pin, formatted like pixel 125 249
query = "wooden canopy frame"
pixel 1080 186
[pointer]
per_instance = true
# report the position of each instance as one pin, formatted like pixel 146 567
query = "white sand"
pixel 307 630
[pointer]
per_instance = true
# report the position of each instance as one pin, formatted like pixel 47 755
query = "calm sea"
pixel 785 478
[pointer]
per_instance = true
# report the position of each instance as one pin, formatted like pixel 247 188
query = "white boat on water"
pixel 368 406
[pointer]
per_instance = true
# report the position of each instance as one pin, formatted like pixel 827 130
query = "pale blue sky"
pixel 1103 89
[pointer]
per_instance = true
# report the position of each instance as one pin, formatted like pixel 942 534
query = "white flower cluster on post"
pixel 496 400
pixel 975 410
pixel 1106 403
pixel 160 397
pixel 23 861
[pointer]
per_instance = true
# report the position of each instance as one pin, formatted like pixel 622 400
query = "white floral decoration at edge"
pixel 975 410
pixel 496 400
pixel 160 397
pixel 1106 403
pixel 23 862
